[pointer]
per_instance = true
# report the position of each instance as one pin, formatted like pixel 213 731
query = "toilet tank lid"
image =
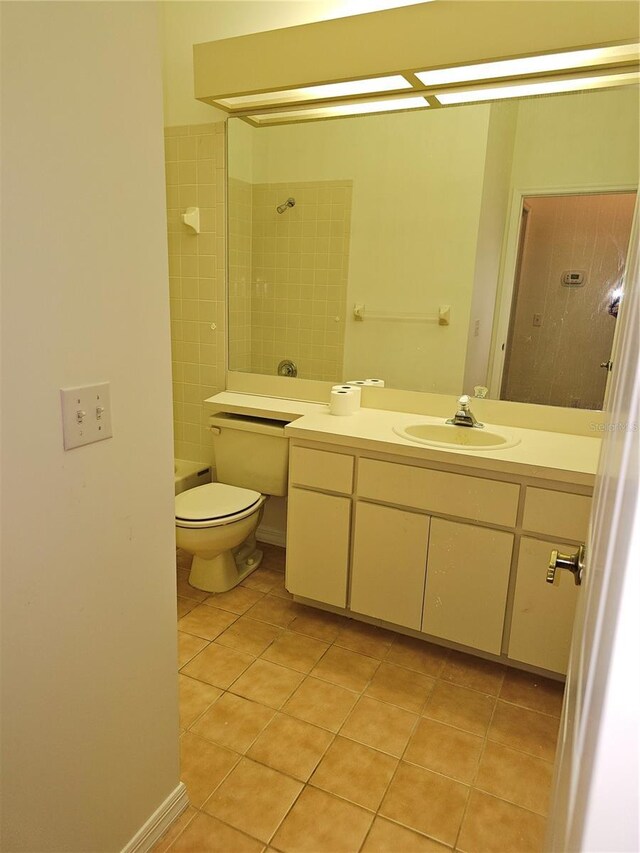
pixel 214 500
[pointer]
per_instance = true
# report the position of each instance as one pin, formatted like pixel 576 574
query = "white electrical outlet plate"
pixel 86 414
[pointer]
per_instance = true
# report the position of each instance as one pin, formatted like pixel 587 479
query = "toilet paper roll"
pixel 355 388
pixel 379 383
pixel 342 402
pixel 357 383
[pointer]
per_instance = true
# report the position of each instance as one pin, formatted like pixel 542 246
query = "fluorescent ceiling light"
pixel 331 90
pixel 531 65
pixel 362 108
pixel 547 87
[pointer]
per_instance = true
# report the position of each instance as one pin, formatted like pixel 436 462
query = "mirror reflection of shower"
pixel 290 202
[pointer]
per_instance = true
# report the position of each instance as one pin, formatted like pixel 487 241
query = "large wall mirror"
pixel 439 250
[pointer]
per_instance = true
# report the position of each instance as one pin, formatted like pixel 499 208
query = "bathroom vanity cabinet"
pixel 450 552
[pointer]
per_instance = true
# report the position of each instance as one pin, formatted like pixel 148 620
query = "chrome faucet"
pixel 464 416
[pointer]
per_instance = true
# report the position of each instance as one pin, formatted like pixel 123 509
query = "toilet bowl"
pixel 216 523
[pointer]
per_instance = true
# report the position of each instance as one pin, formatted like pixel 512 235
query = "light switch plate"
pixel 86 414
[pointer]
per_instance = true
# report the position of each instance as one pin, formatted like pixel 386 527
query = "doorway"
pixel 568 280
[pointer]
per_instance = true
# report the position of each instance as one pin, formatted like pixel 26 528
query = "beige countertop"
pixel 547 455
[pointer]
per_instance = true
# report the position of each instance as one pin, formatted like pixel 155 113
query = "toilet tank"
pixel 251 452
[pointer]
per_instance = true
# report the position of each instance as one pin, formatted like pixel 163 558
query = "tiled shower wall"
pixel 195 170
pixel 300 261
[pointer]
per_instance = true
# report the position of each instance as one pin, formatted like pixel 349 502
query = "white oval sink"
pixel 457 437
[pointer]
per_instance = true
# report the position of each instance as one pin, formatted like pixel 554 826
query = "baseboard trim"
pixel 159 822
pixel 272 536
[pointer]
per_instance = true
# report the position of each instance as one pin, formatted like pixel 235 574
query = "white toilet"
pixel 216 522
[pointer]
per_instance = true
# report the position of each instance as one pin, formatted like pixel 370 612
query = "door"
pixel 595 802
pixel 569 270
pixel 467 580
pixel 318 529
pixel 389 564
pixel 543 614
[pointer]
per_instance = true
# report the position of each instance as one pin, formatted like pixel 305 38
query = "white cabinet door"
pixel 467 581
pixel 389 563
pixel 318 528
pixel 542 620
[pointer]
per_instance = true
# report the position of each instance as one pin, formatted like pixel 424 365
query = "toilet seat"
pixel 215 504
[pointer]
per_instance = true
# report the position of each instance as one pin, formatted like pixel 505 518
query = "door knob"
pixel 608 365
pixel 572 562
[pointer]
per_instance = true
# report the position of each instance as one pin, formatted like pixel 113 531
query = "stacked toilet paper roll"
pixel 379 383
pixel 344 400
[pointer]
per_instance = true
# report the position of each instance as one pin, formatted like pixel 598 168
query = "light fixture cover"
pixel 543 64
pixel 335 110
pixel 531 88
pixel 349 88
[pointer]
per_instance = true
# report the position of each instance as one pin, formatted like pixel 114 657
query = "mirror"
pixel 439 250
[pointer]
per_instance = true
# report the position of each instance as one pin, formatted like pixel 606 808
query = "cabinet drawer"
pixel 439 491
pixel 321 469
pixel 556 514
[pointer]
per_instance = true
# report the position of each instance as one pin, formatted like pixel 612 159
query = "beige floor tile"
pixel 233 722
pixel 183 559
pixel 348 669
pixel 476 673
pixel 291 746
pixel 203 766
pixel 274 557
pixel 493 826
pixel 280 590
pixel 186 590
pixel 400 686
pixel 533 692
pixel 179 824
pixel 206 834
pixel 254 799
pixel 247 635
pixel 446 750
pixel 189 646
pixel 516 777
pixel 318 623
pixel 276 611
pixel 355 772
pixel 263 579
pixel 460 707
pixel 380 726
pixel 388 837
pixel 267 683
pixel 424 657
pixel 195 698
pixel 320 823
pixel 427 802
pixel 365 639
pixel 295 651
pixel 527 731
pixel 218 665
pixel 237 600
pixel 185 605
pixel 206 622
pixel 321 703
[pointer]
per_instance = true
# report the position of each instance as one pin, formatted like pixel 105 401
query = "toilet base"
pixel 224 571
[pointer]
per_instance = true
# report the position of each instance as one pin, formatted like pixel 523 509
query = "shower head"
pixel 290 202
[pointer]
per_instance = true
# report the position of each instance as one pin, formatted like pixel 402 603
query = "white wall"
pixel 580 140
pixel 493 217
pixel 89 697
pixel 414 228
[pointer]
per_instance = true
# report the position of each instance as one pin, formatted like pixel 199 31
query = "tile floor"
pixel 306 732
